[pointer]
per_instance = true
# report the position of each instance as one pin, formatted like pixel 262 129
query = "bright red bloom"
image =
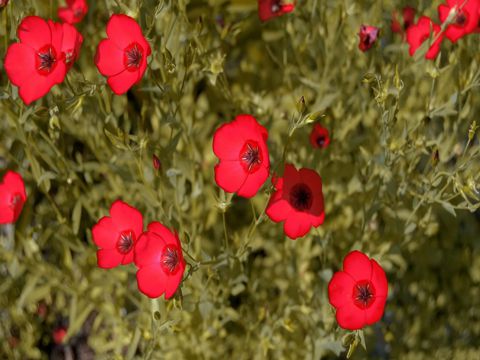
pixel 71 44
pixel 268 9
pixel 122 57
pixel 241 146
pixel 420 32
pixel 368 36
pixel 12 197
pixel 465 20
pixel 298 201
pixel 35 64
pixel 359 292
pixel 59 335
pixel 158 255
pixel 319 137
pixel 74 12
pixel 408 20
pixel 117 234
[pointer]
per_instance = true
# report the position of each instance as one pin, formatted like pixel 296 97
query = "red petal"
pixel 128 258
pixel 66 15
pixel 164 232
pixel 379 279
pixel 109 58
pixel 122 82
pixel 230 175
pixel 253 183
pixel 375 312
pixel 126 217
pixel 34 32
pixel 15 184
pixel 151 281
pixel 173 281
pixel 358 266
pixel 105 233
pixel 227 143
pixel 108 258
pixel 278 210
pixel 350 317
pixel 124 30
pixel 297 225
pixel 148 249
pixel 20 63
pixel 340 289
pixel 7 214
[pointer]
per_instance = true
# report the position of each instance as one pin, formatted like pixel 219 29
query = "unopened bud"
pixel 156 162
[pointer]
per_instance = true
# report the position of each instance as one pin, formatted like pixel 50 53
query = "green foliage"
pixel 401 182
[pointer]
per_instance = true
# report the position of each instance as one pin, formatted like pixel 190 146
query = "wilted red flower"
pixel 241 146
pixel 368 35
pixel 319 137
pixel 359 292
pixel 465 20
pixel 408 20
pixel 122 57
pixel 117 234
pixel 298 201
pixel 158 255
pixel 420 32
pixel 268 9
pixel 74 12
pixel 71 44
pixel 36 64
pixel 12 197
pixel 3 3
pixel 59 334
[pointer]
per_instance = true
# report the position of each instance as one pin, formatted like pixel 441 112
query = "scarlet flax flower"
pixel 35 64
pixel 117 234
pixel 12 197
pixel 319 137
pixel 159 258
pixel 368 36
pixel 422 31
pixel 408 19
pixel 71 44
pixel 74 12
pixel 122 57
pixel 241 146
pixel 359 292
pixel 297 201
pixel 59 334
pixel 465 17
pixel 268 9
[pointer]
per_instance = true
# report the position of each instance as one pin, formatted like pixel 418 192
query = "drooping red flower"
pixel 3 3
pixel 465 19
pixel 368 36
pixel 319 137
pixel 59 334
pixel 74 12
pixel 159 257
pixel 35 64
pixel 241 146
pixel 122 57
pixel 12 197
pixel 408 17
pixel 117 234
pixel 71 44
pixel 359 292
pixel 268 9
pixel 298 201
pixel 420 32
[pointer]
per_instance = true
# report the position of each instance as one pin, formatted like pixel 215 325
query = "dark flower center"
pixel 250 156
pixel 363 294
pixel 133 56
pixel 46 60
pixel 276 6
pixel 125 241
pixel 170 259
pixel 78 12
pixel 301 197
pixel 321 140
pixel 461 18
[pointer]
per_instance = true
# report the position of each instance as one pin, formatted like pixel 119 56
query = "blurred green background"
pixel 400 183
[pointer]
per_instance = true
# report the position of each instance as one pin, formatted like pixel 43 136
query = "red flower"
pixel 298 201
pixel 319 137
pixel 359 292
pixel 74 12
pixel 465 20
pixel 420 32
pixel 157 164
pixel 268 9
pixel 12 197
pixel 408 20
pixel 59 334
pixel 117 234
pixel 71 44
pixel 122 57
pixel 35 64
pixel 158 255
pixel 368 35
pixel 3 3
pixel 241 146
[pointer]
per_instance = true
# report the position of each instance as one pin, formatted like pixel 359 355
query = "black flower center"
pixel 78 12
pixel 133 56
pixel 363 294
pixel 46 60
pixel 276 7
pixel 321 140
pixel 170 259
pixel 461 18
pixel 301 197
pixel 125 241
pixel 251 156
